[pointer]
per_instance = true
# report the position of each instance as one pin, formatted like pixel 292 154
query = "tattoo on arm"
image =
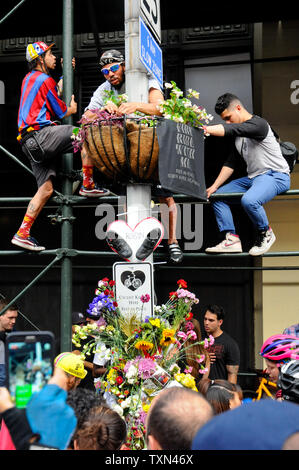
pixel 232 372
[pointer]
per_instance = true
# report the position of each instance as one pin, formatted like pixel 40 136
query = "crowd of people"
pixel 70 413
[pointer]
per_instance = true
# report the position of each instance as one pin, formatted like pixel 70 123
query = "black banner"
pixel 181 159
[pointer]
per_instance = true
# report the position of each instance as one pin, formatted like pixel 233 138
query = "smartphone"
pixel 29 358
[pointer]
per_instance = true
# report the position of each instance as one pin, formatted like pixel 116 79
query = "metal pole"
pixel 138 196
pixel 12 11
pixel 67 186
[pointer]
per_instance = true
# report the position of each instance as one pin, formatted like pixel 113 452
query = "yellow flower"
pixel 144 345
pixel 111 376
pixel 187 380
pixel 145 407
pixel 167 337
pixel 155 322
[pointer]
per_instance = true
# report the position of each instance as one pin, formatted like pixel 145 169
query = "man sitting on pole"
pixel 42 139
pixel 112 64
pixel 267 175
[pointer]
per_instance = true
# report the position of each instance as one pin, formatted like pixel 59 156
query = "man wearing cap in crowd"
pixel 42 139
pixel 112 63
pixel 73 366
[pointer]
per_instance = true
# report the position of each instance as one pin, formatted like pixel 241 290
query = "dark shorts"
pixel 158 191
pixel 55 141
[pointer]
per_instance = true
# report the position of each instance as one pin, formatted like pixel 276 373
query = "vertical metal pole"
pixel 137 90
pixel 67 164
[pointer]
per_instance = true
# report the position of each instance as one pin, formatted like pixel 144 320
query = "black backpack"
pixel 288 150
pixel 290 153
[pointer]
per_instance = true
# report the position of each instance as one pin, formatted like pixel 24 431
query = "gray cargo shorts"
pixel 54 141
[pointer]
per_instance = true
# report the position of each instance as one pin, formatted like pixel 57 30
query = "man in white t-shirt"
pixel 112 64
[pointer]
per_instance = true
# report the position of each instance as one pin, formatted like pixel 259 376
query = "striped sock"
pixel 88 176
pixel 24 230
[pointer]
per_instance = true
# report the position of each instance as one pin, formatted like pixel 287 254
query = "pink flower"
pixel 203 371
pixel 188 370
pixel 145 298
pixel 189 325
pixel 182 335
pixel 192 335
pixel 200 358
pixel 211 340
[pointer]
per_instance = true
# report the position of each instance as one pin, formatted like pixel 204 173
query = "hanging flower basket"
pixel 125 148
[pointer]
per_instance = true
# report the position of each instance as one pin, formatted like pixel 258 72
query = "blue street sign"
pixel 150 53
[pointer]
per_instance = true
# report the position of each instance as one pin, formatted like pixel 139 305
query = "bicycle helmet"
pixel 111 56
pixel 288 381
pixel 279 348
pixel 71 363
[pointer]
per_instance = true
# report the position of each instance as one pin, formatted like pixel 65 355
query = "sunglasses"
pixel 113 68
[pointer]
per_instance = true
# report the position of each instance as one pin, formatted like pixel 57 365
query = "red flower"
pixel 189 316
pixel 106 291
pixel 181 283
pixel 173 294
pixel 105 279
pixel 119 380
pixel 115 304
pixel 111 283
pixel 111 293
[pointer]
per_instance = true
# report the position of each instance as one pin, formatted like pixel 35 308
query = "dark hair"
pixel 176 416
pixel 104 429
pixel 4 303
pixel 218 393
pixel 82 400
pixel 217 310
pixel 224 101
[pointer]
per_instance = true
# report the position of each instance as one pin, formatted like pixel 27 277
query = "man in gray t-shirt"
pixel 267 175
pixel 112 65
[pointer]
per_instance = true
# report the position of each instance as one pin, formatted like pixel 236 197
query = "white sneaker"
pixel 263 242
pixel 231 244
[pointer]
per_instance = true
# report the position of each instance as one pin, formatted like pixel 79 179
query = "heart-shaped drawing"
pixel 132 279
pixel 131 243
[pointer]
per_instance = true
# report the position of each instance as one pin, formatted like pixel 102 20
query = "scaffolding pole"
pixel 67 186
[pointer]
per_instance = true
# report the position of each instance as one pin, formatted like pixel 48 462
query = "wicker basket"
pixel 122 154
pixel 106 147
pixel 143 152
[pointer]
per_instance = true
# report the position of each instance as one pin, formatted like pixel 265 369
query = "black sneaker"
pixel 175 253
pixel 148 244
pixel 118 244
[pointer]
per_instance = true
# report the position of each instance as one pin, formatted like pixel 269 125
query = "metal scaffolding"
pixel 66 201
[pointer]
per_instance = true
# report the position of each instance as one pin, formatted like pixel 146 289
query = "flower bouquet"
pixel 141 356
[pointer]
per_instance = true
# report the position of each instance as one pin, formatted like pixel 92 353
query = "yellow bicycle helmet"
pixel 71 363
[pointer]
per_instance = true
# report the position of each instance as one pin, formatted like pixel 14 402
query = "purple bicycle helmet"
pixel 279 348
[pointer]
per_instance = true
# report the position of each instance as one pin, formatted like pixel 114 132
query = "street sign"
pixel 150 53
pixel 151 12
pixel 134 291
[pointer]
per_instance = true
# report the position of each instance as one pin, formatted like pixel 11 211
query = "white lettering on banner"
pixel 185 146
pixel 295 95
pixel 2 92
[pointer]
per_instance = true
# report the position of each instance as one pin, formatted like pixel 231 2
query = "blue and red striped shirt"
pixel 39 103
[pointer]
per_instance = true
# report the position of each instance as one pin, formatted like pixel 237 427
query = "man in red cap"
pixel 42 139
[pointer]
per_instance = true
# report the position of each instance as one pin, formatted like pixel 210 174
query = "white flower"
pixel 168 85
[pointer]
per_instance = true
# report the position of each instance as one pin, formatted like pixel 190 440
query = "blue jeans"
pixel 258 191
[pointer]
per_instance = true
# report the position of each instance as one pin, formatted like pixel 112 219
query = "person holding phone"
pixel 47 421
